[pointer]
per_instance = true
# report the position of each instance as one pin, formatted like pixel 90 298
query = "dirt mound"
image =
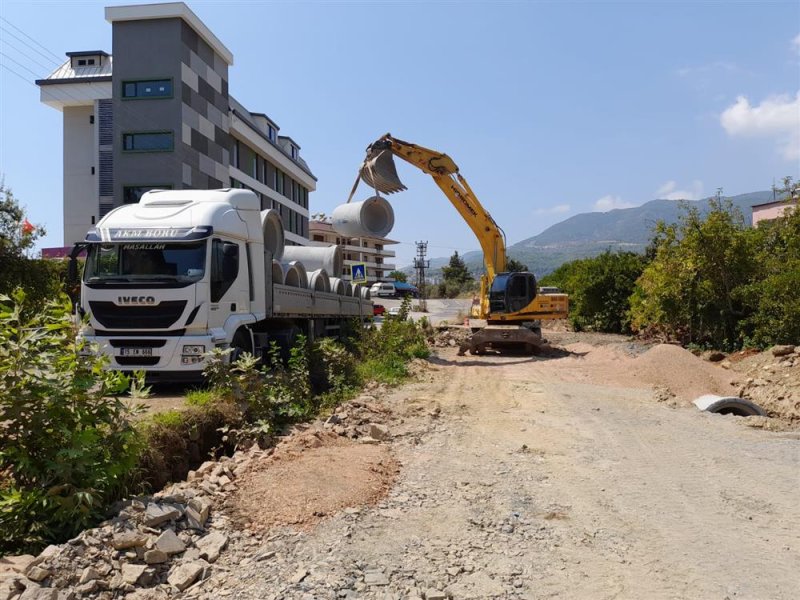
pixel 684 374
pixel 773 382
pixel 313 475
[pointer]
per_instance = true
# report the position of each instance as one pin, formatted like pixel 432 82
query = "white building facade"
pixel 371 251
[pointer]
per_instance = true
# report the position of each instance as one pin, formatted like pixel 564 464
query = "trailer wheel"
pixel 240 345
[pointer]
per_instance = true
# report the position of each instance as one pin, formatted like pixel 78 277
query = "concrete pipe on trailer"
pixel 365 294
pixel 295 274
pixel 272 229
pixel 729 405
pixel 278 272
pixel 355 290
pixel 337 286
pixel 373 217
pixel 316 257
pixel 348 288
pixel 318 281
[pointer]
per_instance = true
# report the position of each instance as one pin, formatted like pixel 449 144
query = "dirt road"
pixel 539 478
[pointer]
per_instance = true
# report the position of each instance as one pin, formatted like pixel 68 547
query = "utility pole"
pixel 420 264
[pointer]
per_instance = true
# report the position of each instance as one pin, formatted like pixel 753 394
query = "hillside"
pixel 589 234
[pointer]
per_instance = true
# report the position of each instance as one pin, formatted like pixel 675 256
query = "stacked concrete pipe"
pixel 272 229
pixel 337 286
pixel 316 257
pixel 319 281
pixel 295 274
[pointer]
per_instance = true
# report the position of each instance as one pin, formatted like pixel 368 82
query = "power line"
pixel 25 43
pixel 56 57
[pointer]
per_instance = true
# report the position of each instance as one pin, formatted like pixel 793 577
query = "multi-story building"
pixel 368 250
pixel 157 114
pixel 772 210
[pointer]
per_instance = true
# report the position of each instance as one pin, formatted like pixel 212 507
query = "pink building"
pixel 771 210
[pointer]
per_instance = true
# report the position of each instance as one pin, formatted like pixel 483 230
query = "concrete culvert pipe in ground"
pixel 372 217
pixel 316 257
pixel 729 405
pixel 318 281
pixel 272 228
pixel 295 274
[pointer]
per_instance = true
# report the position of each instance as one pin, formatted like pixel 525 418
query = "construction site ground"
pixel 526 477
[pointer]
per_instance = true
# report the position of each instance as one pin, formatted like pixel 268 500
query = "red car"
pixel 378 309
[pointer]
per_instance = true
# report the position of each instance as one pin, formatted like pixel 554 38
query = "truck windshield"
pixel 146 261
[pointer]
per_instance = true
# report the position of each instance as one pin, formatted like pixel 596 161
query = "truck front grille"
pixel 159 316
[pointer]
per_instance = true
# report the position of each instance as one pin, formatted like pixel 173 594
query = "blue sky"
pixel 549 108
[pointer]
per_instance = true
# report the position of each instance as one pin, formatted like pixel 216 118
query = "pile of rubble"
pixel 772 380
pixel 451 336
pixel 155 547
pixel 160 545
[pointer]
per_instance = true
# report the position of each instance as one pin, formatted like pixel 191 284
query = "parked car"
pixel 395 311
pixel 378 309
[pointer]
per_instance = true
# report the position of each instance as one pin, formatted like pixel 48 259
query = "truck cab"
pixel 172 277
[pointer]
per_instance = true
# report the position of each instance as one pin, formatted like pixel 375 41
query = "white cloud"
pixel 776 117
pixel 670 191
pixel 558 209
pixel 609 202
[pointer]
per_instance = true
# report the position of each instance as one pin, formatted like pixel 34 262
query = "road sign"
pixel 358 273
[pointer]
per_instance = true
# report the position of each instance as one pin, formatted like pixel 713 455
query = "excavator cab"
pixel 511 292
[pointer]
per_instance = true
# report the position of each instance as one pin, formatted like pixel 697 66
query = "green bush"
pixel 67 445
pixel 599 290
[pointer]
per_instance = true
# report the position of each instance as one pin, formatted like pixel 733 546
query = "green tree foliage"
pixel 398 276
pixel 773 297
pixel 67 446
pixel 515 266
pixel 41 279
pixel 457 278
pixel 599 289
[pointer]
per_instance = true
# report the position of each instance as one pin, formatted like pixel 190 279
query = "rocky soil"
pixel 583 475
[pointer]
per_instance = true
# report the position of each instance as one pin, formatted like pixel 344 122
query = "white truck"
pixel 182 272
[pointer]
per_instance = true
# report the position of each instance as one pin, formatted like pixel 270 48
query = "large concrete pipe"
pixel 355 290
pixel 365 293
pixel 295 274
pixel 372 217
pixel 316 257
pixel 729 405
pixel 337 286
pixel 318 281
pixel 278 272
pixel 272 228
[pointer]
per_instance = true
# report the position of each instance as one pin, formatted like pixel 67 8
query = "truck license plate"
pixel 136 352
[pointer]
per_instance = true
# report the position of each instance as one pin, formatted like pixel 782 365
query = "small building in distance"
pixel 771 210
pixel 368 250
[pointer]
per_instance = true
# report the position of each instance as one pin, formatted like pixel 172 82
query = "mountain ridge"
pixel 588 234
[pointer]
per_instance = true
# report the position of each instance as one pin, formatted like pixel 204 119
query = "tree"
pixel 39 278
pixel 599 289
pixel 456 271
pixel 398 276
pixel 691 291
pixel 515 266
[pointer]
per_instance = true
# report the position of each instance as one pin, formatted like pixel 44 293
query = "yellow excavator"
pixel 509 303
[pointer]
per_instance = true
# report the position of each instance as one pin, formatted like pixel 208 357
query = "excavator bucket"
pixel 379 172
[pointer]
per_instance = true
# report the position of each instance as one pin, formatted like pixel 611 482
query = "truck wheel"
pixel 240 345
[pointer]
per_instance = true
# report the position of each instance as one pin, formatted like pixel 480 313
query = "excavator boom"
pixel 505 301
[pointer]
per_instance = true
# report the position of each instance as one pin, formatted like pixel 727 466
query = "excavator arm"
pixel 445 173
pixel 379 172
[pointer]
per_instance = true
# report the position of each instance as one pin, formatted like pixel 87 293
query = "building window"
pixel 235 157
pixel 318 238
pixel 131 194
pixel 254 167
pixel 148 141
pixel 89 61
pixel 272 133
pixel 279 181
pixel 294 152
pixel 153 88
pixel 81 62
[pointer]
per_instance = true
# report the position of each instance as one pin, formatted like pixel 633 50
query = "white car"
pixel 395 311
